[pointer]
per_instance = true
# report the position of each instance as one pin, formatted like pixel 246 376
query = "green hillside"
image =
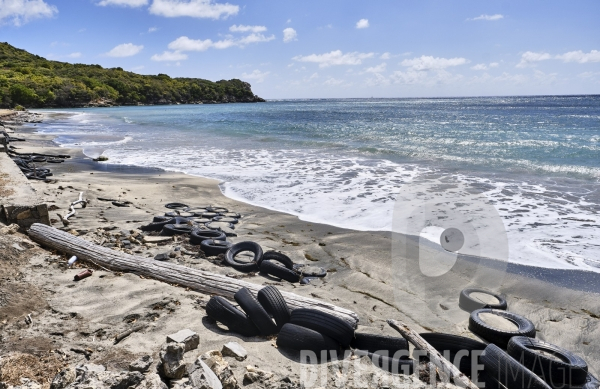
pixel 34 82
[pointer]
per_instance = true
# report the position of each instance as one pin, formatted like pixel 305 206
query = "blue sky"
pixel 328 48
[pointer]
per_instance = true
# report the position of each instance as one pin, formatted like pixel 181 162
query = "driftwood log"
pixel 201 281
pixel 435 357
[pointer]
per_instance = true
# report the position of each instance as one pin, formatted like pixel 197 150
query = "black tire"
pixel 216 226
pixel 274 303
pixel 175 206
pixel 209 215
pixel 197 236
pixel 224 219
pixel 322 322
pixel 591 382
pixel 279 257
pixel 160 219
pixel 255 312
pixel 469 304
pixel 217 209
pixel 232 214
pixel 497 336
pixel 564 371
pixel 224 312
pixel 213 248
pixel 301 338
pixel 508 371
pixel 451 345
pixel 277 271
pixel 391 364
pixel 240 247
pixel 176 229
pixel 309 270
pixel 378 343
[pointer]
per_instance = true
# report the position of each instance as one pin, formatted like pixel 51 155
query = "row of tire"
pixel 540 364
pixel 525 363
pixel 27 161
pixel 213 242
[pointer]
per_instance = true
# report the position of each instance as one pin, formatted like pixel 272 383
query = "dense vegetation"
pixel 34 82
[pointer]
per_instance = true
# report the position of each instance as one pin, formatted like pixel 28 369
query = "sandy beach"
pixel 74 316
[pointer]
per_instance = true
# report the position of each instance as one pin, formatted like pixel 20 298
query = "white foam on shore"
pixel 546 227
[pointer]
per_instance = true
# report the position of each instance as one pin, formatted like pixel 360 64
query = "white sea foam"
pixel 546 227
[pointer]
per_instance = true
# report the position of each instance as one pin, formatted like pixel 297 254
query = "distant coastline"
pixel 30 81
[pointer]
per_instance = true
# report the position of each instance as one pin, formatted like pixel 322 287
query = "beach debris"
pixel 9 230
pixel 72 260
pixel 254 374
pixel 121 203
pixel 171 356
pixel 201 376
pixel 141 364
pixel 187 337
pixel 84 274
pixel 195 279
pixel 130 331
pixel 157 239
pixel 214 360
pixel 64 378
pixel 434 356
pixel 72 211
pixel 234 349
pixel 162 256
pixel 101 158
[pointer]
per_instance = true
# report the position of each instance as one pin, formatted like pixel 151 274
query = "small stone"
pixel 220 367
pixel 253 374
pixel 152 381
pixel 189 338
pixel 173 254
pixel 9 230
pixel 94 368
pixel 203 377
pixel 17 247
pixel 24 215
pixel 74 232
pixel 126 243
pixel 141 364
pixel 171 356
pixel 234 349
pixel 63 378
pixel 161 256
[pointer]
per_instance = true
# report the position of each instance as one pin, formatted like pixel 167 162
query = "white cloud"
pixel 362 23
pixel 333 82
pixel 152 29
pixel 74 55
pixel 426 62
pixel 488 17
pixel 242 28
pixel 253 38
pixel 580 57
pixel 377 69
pixel 125 50
pixel 529 58
pixel 256 75
pixel 494 64
pixel 19 12
pixel 335 57
pixel 183 43
pixel 479 66
pixel 411 77
pixel 124 3
pixel 289 34
pixel 193 8
pixel 385 55
pixel 169 56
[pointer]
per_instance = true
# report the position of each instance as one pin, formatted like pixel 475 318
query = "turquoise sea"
pixel 343 162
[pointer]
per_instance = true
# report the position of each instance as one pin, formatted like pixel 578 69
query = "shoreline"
pixel 359 278
pixel 576 279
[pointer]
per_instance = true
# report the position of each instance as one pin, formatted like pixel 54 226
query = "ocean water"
pixel 344 162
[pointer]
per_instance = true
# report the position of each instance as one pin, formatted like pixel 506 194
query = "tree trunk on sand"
pixel 198 280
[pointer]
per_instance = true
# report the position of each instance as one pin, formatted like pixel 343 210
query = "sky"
pixel 327 48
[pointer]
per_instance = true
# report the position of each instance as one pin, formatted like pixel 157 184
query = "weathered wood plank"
pixel 434 356
pixel 199 280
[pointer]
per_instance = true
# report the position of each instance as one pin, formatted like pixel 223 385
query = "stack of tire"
pixel 264 314
pixel 272 263
pixel 514 358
